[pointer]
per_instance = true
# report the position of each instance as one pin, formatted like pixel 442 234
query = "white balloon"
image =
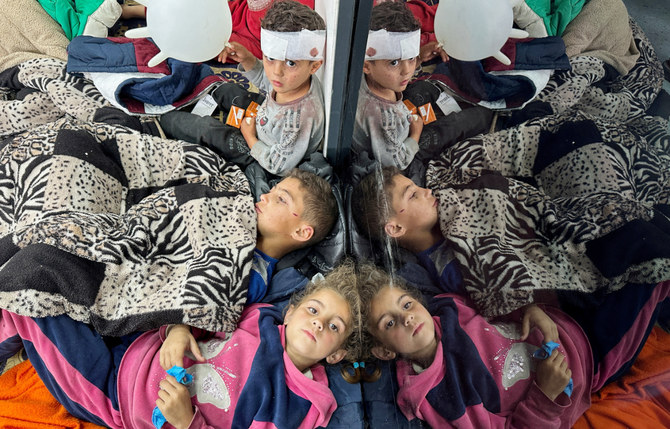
pixel 471 30
pixel 187 30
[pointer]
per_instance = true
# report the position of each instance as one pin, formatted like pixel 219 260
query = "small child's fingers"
pixel 195 349
pixel 525 327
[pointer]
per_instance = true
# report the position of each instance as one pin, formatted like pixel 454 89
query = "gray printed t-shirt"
pixel 382 129
pixel 287 132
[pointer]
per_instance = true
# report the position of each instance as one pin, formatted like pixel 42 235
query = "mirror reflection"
pixel 492 252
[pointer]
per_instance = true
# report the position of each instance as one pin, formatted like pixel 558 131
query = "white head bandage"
pixel 293 45
pixel 389 45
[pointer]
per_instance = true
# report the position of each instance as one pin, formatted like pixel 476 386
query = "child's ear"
pixel 303 233
pixel 382 353
pixel 288 314
pixel 394 230
pixel 366 67
pixel 336 356
pixel 314 66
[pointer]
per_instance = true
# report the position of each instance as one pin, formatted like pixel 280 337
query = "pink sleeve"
pixel 536 411
pixel 199 421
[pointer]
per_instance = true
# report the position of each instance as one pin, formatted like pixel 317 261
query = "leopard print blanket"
pixel 123 230
pixel 562 202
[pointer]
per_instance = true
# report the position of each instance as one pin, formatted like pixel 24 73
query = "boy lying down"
pixel 128 231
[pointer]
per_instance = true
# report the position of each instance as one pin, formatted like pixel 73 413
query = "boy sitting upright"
pixel 298 212
pixel 385 127
pixel 289 123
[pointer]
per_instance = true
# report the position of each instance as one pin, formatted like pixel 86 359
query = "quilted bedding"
pixel 575 200
pixel 113 227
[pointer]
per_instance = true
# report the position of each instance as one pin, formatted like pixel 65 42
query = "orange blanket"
pixel 25 403
pixel 641 399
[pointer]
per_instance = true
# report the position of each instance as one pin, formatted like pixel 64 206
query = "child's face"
pixel 401 323
pixel 289 78
pixel 317 328
pixel 414 207
pixel 390 74
pixel 279 212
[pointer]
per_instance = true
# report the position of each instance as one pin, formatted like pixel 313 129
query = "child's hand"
pixel 415 127
pixel 174 401
pixel 534 316
pixel 248 129
pixel 553 375
pixel 431 50
pixel 237 52
pixel 178 341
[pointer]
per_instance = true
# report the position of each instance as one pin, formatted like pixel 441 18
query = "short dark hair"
pixel 289 15
pixel 372 201
pixel 393 16
pixel 319 206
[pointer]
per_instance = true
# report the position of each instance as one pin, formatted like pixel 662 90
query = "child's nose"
pixel 407 66
pixel 408 319
pixel 317 324
pixel 278 68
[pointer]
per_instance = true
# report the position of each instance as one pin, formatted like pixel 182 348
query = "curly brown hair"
pixel 393 16
pixel 289 15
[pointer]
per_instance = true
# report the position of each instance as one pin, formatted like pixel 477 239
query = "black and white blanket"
pixel 113 227
pixel 567 202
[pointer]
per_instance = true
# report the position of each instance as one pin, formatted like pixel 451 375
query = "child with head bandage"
pixel 398 121
pixel 289 123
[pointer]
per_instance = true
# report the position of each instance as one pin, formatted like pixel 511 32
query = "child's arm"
pixel 174 401
pixel 534 316
pixel 385 128
pixel 288 144
pixel 415 127
pixel 237 52
pixel 179 339
pixel 553 375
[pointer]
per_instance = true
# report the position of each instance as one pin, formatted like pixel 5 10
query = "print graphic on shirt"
pixel 290 131
pixel 508 330
pixel 209 381
pixel 518 362
pixel 209 387
pixel 262 115
pixel 389 129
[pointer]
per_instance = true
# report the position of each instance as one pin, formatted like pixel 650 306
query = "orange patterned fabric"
pixel 640 399
pixel 25 403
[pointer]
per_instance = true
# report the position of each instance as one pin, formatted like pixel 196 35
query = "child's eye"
pixel 333 327
pixel 291 63
pixel 282 200
pixel 390 324
pixel 407 305
pixel 413 195
pixel 394 63
pixel 269 58
pixel 312 310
